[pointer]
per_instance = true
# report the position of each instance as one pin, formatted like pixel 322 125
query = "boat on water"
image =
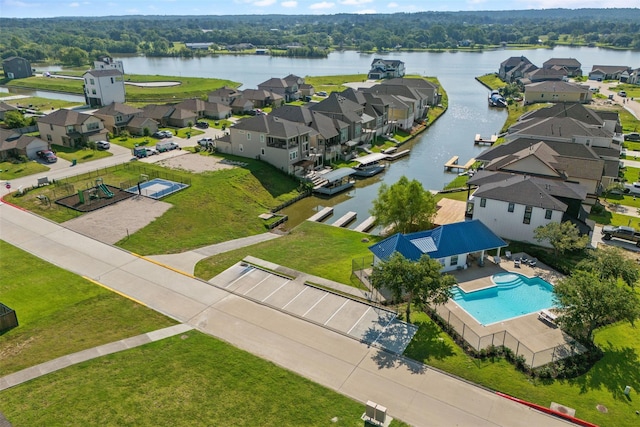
pixel 369 165
pixel 335 182
pixel 497 100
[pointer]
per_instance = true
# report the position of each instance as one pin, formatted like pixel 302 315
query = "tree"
pixel 610 263
pixel 562 236
pixel 14 119
pixel 419 282
pixel 586 302
pixel 405 205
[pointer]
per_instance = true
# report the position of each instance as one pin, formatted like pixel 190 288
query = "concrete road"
pixel 412 392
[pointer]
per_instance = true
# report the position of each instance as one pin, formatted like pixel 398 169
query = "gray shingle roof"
pixel 273 126
pixel 64 117
pixel 117 108
pixel 104 73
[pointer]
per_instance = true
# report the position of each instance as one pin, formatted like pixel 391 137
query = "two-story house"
pixel 343 109
pixel 607 72
pixel 102 87
pixel 70 128
pixel 284 144
pixel 13 145
pixel 17 68
pixel 289 90
pixel 225 95
pixel 116 116
pixel 572 66
pixel 514 68
pixel 556 91
pixel 386 69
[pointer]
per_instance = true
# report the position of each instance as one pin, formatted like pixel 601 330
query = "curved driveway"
pixel 412 392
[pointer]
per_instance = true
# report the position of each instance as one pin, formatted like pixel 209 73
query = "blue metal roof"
pixel 441 242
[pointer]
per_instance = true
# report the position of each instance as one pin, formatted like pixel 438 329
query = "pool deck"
pixel 532 332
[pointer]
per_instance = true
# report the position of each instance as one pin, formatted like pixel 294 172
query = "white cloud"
pixel 322 5
pixel 263 3
pixel 289 4
pixel 74 4
pixel 393 5
pixel 366 11
pixel 354 2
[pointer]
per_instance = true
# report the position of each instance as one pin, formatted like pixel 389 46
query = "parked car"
pixel 166 146
pixel 205 142
pixel 633 136
pixel 103 145
pixel 321 93
pixel 202 125
pixel 151 151
pixel 47 155
pixel 622 93
pixel 162 134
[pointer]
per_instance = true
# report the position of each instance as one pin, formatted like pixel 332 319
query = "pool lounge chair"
pixel 516 263
pixel 547 316
pixel 533 262
pixel 507 254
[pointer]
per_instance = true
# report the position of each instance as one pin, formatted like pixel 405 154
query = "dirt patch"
pixel 113 223
pixel 194 162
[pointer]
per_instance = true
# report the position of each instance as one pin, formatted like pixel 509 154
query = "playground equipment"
pixel 100 186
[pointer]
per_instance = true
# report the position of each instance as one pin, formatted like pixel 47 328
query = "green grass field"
pixel 80 155
pixel 61 313
pixel 9 171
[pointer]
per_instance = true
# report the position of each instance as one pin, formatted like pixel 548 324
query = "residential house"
pixel 572 66
pixel 182 118
pixel 607 72
pixel 427 91
pixel 375 115
pixel 453 245
pixel 102 87
pixel 241 105
pixel 108 63
pixel 543 75
pixel 556 91
pixel 407 104
pixel 261 98
pixel 13 145
pixel 329 134
pixel 205 109
pixel 225 95
pixel 70 128
pixel 307 89
pixel 289 90
pixel 116 116
pixel 138 124
pixel 279 142
pixel 350 112
pixel 4 107
pixel 386 69
pixel 549 159
pixel 159 113
pixel 16 68
pixel 198 46
pixel 634 77
pixel 513 206
pixel 514 68
pixel 608 120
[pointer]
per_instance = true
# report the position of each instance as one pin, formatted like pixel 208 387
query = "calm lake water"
pixel 452 134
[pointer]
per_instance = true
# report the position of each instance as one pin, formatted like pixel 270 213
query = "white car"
pixel 151 151
pixel 103 145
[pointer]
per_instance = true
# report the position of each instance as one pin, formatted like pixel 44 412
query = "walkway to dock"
pixel 453 164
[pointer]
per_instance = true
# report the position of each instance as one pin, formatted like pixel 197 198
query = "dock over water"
pixel 484 141
pixel 452 164
pixel 345 219
pixel 319 216
pixel 366 225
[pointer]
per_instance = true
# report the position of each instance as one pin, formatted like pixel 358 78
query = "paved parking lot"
pixel 359 320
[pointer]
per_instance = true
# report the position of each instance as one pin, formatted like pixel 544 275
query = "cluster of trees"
pixel 60 39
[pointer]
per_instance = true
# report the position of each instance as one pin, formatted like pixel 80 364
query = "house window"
pixel 483 202
pixel 112 80
pixel 527 215
pixel 51 127
pixel 548 213
pixel 248 136
pixel 511 207
pixel 262 151
pixel 49 138
pixel 262 138
pixel 293 155
pixel 241 148
pixel 93 91
pixel 454 260
pixel 93 126
pixel 92 81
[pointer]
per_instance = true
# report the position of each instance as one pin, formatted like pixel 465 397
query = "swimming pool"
pixel 513 295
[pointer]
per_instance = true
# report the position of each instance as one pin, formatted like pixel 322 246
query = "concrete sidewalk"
pixel 25 375
pixel 411 391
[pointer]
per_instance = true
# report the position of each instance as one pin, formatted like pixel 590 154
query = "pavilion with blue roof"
pixel 450 244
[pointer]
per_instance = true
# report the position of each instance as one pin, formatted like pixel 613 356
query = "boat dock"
pixel 366 225
pixel 345 219
pixel 453 164
pixel 320 216
pixel 397 155
pixel 484 141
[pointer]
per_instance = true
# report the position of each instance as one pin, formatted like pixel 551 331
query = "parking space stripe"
pixel 293 299
pixel 358 321
pixel 257 284
pixel 317 302
pixel 248 271
pixel 336 312
pixel 384 329
pixel 279 287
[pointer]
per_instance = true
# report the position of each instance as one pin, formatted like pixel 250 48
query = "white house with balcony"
pixel 102 87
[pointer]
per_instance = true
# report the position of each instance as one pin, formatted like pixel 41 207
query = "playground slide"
pixel 108 194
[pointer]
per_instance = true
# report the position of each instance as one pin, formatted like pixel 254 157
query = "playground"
pixel 94 198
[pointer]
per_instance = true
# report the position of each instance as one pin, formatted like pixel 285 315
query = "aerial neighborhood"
pixel 526 219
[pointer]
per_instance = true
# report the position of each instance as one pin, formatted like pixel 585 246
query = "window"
pixel 49 138
pixel 92 81
pixel 527 215
pixel 293 155
pixel 511 207
pixel 454 260
pixel 248 136
pixel 93 91
pixel 548 213
pixel 262 138
pixel 483 202
pixel 262 151
pixel 51 127
pixel 241 148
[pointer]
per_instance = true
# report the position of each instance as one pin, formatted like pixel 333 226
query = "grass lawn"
pixel 321 250
pixel 61 313
pixel 41 104
pixel 187 380
pixel 80 155
pixel 333 83
pixel 603 384
pixel 9 171
pixel 492 81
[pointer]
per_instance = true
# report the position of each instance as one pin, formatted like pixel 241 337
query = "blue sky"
pixel 51 8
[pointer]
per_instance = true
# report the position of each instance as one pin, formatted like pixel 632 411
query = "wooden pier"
pixel 345 219
pixel 319 216
pixel 483 141
pixel 366 225
pixel 452 164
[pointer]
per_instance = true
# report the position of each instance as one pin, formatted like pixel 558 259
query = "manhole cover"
pixel 602 409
